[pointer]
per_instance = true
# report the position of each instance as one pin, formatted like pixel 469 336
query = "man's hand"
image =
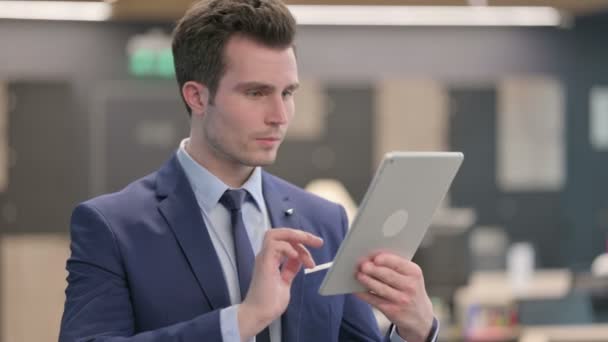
pixel 282 255
pixel 396 288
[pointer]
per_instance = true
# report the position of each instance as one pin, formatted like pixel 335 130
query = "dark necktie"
pixel 245 258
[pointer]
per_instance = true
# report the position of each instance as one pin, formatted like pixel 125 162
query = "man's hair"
pixel 200 37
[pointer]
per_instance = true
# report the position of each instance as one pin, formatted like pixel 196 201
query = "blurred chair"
pixel 446 241
pixel 442 281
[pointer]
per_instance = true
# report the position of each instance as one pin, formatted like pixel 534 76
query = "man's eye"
pixel 255 93
pixel 287 93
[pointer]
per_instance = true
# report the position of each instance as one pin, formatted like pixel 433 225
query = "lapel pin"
pixel 289 212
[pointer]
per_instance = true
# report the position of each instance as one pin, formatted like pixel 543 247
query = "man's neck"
pixel 231 173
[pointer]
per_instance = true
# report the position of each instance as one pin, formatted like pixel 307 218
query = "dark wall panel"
pixel 142 124
pixel 473 131
pixel 537 217
pixel 46 145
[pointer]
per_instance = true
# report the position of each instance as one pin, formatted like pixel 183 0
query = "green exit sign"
pixel 152 63
pixel 150 54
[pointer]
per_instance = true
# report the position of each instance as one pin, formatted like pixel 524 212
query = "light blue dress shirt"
pixel 208 189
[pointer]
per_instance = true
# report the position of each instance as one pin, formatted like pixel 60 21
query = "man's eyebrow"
pixel 254 85
pixel 293 86
pixel 259 85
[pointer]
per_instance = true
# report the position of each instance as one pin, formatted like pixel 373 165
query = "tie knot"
pixel 233 199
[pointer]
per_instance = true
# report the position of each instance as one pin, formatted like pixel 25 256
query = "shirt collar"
pixel 208 189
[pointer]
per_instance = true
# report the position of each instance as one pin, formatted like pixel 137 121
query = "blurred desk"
pixel 486 309
pixel 491 288
pixel 565 333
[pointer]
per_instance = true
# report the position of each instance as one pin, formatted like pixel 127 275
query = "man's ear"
pixel 196 96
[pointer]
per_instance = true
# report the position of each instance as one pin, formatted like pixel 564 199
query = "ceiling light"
pixel 426 15
pixel 55 10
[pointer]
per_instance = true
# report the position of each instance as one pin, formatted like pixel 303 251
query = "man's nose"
pixel 277 113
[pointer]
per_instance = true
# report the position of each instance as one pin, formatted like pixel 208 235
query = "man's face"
pixel 253 104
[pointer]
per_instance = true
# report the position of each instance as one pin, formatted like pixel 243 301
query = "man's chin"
pixel 265 162
pixel 262 160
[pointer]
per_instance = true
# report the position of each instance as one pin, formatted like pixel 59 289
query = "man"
pixel 171 256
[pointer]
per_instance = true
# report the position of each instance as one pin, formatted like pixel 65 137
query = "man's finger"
pixel 305 255
pixel 380 289
pixel 372 299
pixel 280 249
pixel 386 275
pixel 397 263
pixel 294 236
pixel 290 270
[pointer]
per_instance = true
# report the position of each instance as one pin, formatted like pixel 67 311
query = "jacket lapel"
pixel 182 213
pixel 283 215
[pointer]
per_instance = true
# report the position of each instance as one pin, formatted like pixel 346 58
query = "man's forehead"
pixel 250 61
pixel 241 50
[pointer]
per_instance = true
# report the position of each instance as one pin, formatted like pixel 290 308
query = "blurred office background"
pixel 88 104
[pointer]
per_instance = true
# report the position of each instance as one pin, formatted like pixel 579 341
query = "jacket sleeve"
pixel 98 306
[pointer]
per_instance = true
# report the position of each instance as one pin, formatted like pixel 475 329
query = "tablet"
pixel 395 213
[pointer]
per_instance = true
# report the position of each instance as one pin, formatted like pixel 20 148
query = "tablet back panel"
pixel 395 213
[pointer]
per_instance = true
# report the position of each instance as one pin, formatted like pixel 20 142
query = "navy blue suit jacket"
pixel 143 267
